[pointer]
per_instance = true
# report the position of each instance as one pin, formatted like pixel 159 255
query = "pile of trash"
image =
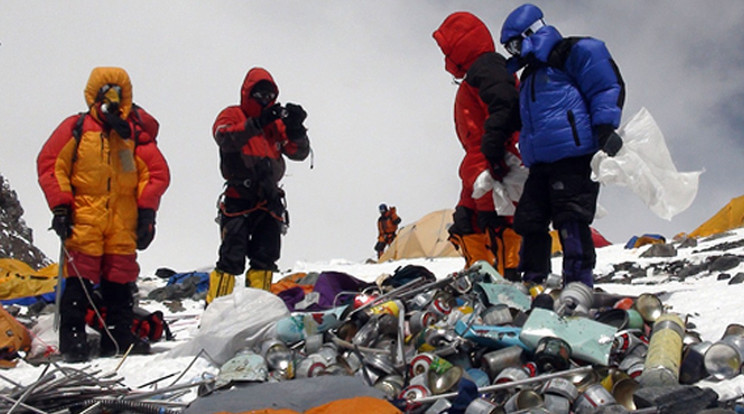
pixel 474 342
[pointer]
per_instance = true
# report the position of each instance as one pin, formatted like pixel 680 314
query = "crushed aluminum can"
pixel 391 385
pixel 625 342
pixel 421 300
pixel 510 374
pixel 440 406
pixel 420 363
pixel 556 404
pixel 329 352
pixel 594 396
pixel 420 320
pixel 412 393
pixel 523 400
pixel 441 305
pixel 312 366
pixel 380 362
pixel 530 368
pixel 276 354
pixel 560 386
pixel 632 365
pixel 440 383
pixel 482 406
pixel 351 360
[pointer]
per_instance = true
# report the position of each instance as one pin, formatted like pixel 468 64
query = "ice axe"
pixel 58 290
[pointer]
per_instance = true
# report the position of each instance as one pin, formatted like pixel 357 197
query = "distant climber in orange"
pixel 387 226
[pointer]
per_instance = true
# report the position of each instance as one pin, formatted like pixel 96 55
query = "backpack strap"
pixel 77 132
pixel 560 52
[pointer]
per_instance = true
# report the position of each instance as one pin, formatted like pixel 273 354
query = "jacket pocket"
pixel 574 132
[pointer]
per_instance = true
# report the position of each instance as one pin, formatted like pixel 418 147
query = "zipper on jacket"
pixel 574 132
pixel 532 87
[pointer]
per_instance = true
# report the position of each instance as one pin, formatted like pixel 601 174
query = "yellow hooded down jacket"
pixel 104 177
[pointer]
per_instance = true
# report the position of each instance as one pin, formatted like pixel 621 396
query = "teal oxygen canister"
pixel 662 363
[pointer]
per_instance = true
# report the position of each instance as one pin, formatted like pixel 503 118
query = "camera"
pixel 283 112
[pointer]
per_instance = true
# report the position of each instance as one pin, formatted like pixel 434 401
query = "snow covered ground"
pixel 708 299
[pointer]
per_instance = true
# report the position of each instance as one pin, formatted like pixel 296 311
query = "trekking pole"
pixel 58 292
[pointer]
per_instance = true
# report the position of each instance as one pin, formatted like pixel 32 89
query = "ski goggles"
pixel 264 96
pixel 514 45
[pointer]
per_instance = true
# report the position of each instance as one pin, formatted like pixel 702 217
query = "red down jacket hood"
pixel 250 106
pixel 463 37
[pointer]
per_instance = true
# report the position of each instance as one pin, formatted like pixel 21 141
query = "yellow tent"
pixel 729 217
pixel 427 237
pixel 19 280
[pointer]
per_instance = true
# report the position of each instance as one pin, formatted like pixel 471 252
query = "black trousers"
pixel 561 193
pixel 255 234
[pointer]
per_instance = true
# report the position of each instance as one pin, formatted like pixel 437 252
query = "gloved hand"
pixel 609 141
pixel 62 221
pixel 295 116
pixel 270 114
pixel 145 227
pixel 499 169
pixel 113 120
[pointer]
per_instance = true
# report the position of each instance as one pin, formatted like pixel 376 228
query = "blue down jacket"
pixel 568 88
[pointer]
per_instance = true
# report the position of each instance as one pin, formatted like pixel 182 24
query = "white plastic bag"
pixel 505 192
pixel 233 322
pixel 645 166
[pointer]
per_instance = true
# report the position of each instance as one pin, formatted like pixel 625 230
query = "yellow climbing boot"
pixel 259 279
pixel 220 284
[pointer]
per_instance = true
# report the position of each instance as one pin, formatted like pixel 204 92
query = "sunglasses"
pixel 264 96
pixel 107 87
pixel 514 46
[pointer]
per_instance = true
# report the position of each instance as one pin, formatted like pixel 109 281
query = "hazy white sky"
pixel 379 104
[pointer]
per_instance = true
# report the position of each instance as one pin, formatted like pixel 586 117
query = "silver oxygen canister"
pixel 664 356
pixel 724 359
pixel 495 361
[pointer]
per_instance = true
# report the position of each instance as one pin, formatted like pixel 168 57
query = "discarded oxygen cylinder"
pixel 661 366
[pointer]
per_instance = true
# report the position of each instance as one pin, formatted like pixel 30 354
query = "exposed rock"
pixel 660 250
pixel 736 279
pixel 725 262
pixel 16 239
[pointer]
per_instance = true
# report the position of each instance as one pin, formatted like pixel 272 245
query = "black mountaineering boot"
pixel 73 344
pixel 119 316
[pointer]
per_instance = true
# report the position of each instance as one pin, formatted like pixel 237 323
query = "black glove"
pixel 295 116
pixel 609 141
pixel 62 221
pixel 145 227
pixel 271 114
pixel 121 126
pixel 499 169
